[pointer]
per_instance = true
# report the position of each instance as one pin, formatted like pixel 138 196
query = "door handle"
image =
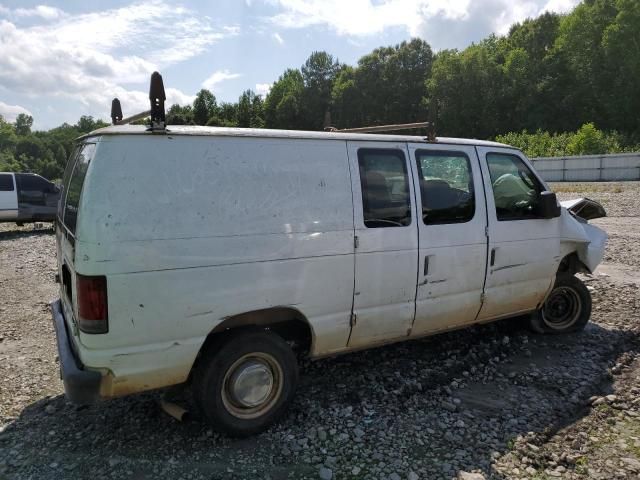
pixel 426 265
pixel 493 256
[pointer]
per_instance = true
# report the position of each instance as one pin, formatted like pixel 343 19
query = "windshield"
pixel 72 184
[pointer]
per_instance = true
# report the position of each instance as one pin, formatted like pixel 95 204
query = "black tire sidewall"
pixel 208 382
pixel 537 322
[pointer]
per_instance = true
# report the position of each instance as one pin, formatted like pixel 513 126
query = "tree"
pixel 283 105
pixel 621 50
pixel 467 87
pixel 178 115
pixel 23 124
pixel 204 107
pixel 318 74
pixel 88 124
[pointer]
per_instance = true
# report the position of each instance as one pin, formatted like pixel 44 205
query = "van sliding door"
pixel 386 253
pixel 453 237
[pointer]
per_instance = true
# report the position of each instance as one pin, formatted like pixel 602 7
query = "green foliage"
pixel 23 124
pixel 250 110
pixel 283 105
pixel 588 140
pixel 554 73
pixel 204 107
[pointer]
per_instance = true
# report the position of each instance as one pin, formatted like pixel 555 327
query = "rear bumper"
pixel 81 386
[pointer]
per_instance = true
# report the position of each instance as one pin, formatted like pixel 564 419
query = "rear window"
pixel 72 184
pixel 6 182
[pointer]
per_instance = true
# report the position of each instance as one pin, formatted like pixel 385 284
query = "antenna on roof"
pixel 116 111
pixel 157 98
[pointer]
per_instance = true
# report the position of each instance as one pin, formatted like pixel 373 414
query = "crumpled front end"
pixel 576 235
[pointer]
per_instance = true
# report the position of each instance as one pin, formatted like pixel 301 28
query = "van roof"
pixel 267 133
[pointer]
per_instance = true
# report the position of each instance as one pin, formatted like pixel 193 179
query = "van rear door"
pixel 8 197
pixel 67 217
pixel 386 254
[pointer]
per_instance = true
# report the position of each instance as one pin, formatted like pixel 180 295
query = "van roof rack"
pixel 429 126
pixel 156 99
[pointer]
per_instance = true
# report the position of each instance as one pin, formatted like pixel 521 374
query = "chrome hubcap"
pixel 251 383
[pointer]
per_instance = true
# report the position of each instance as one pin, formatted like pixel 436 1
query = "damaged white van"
pixel 214 255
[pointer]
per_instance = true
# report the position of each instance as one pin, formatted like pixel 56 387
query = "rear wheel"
pixel 243 386
pixel 566 309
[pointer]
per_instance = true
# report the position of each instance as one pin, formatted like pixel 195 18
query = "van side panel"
pixel 192 230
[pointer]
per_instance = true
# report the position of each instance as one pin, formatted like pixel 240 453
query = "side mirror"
pixel 549 207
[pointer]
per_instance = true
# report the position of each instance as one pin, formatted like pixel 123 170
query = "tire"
pixel 567 308
pixel 223 381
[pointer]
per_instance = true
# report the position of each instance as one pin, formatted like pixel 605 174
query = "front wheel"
pixel 243 386
pixel 566 309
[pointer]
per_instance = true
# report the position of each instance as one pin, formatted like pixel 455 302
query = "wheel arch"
pixel 286 321
pixel 571 264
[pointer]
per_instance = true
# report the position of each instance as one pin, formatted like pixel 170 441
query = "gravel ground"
pixel 495 400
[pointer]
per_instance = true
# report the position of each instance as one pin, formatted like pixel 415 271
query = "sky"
pixel 63 59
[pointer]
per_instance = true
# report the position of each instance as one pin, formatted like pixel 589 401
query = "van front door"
pixel 524 248
pixel 452 236
pixel 386 253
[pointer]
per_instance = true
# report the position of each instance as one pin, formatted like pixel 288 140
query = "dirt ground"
pixel 496 400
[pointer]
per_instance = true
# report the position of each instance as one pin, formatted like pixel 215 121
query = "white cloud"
pixel 218 77
pixel 444 23
pixel 42 11
pixel 10 112
pixel 560 6
pixel 263 88
pixel 89 58
pixel 278 38
pixel 364 17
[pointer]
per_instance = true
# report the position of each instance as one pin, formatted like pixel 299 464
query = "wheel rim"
pixel 562 309
pixel 252 385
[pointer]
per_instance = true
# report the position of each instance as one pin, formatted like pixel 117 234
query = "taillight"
pixel 92 303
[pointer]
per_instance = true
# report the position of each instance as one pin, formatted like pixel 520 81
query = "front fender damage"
pixel 576 235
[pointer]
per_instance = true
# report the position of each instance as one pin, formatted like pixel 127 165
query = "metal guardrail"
pixel 585 168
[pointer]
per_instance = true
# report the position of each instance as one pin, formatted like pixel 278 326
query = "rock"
pixel 50 409
pixel 358 432
pixel 611 398
pixel 322 435
pixel 394 476
pixel 326 473
pixel 355 470
pixel 631 464
pixel 413 476
pixel 462 475
pixel 449 406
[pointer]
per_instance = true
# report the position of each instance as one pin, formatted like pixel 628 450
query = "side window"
pixel 74 187
pixel 6 182
pixel 31 182
pixel 446 187
pixel 385 188
pixel 516 190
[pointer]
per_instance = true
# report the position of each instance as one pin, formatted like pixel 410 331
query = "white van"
pixel 212 255
pixel 27 197
pixel 215 256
